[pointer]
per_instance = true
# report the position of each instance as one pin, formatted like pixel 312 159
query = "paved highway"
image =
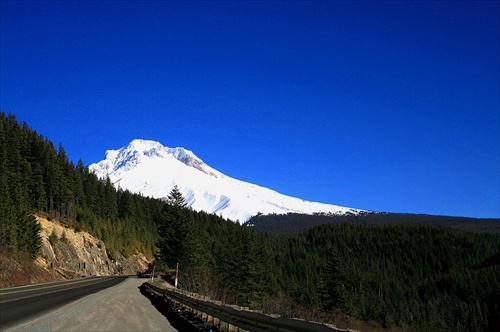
pixel 115 304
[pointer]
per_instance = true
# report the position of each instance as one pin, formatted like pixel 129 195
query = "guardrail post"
pixel 217 322
pixel 224 326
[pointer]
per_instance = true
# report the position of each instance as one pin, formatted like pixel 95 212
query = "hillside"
pixel 65 254
pixel 293 222
pixel 35 177
pixel 69 249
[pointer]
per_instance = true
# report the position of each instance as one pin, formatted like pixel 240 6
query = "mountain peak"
pixel 140 150
pixel 144 145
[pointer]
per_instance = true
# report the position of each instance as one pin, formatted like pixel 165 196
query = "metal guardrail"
pixel 246 320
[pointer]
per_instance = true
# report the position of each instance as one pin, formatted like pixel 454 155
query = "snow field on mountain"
pixel 149 168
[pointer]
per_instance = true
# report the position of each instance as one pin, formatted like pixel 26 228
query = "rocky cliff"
pixel 68 253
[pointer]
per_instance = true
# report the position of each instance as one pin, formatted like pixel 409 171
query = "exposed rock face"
pixel 79 253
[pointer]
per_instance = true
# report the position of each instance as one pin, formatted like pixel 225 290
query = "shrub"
pixel 53 238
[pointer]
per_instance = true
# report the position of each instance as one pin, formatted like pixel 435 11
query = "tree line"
pixel 35 177
pixel 406 275
pixel 295 222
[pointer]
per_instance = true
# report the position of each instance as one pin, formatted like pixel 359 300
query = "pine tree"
pixel 174 229
pixel 332 285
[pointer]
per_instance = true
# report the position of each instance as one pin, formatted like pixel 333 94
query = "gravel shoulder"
pixel 119 308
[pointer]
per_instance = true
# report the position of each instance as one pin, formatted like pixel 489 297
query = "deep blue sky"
pixel 387 106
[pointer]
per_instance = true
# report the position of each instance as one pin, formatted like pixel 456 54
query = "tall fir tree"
pixel 174 228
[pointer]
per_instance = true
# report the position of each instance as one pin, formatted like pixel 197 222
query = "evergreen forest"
pixel 35 177
pixel 403 276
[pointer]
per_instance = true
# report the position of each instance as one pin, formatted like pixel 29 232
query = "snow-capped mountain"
pixel 149 168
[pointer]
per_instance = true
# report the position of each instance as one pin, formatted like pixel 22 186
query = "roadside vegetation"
pixel 399 276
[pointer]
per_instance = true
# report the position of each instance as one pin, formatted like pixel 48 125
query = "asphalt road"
pixel 115 304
